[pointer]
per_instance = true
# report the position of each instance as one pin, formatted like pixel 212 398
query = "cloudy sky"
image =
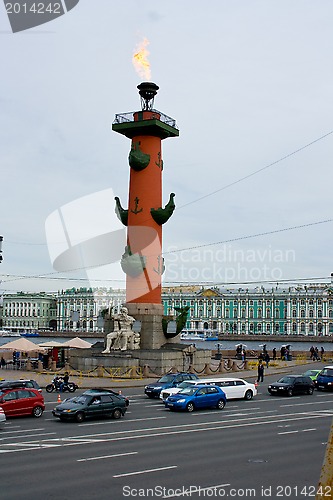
pixel 250 86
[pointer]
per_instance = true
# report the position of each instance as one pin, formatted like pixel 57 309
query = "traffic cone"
pixel 59 399
pixel 256 384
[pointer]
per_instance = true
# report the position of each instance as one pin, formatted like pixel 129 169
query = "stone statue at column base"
pixel 122 337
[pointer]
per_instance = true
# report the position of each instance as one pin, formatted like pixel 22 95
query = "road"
pixel 270 447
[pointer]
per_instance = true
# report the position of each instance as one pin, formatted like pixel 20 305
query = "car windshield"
pixel 286 380
pixel 188 391
pixel 79 399
pixel 166 379
pixel 185 384
pixel 327 372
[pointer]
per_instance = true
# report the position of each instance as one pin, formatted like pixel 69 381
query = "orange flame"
pixel 140 60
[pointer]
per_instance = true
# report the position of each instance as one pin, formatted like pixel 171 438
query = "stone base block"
pixel 152 361
pixel 150 316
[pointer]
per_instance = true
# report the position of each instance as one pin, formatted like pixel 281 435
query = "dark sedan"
pixel 291 385
pixel 91 404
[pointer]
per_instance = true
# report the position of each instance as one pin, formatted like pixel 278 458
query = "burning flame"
pixel 140 60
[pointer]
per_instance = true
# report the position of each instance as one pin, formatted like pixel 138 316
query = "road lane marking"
pixel 127 420
pixel 107 456
pixel 229 413
pixel 161 431
pixel 146 471
pixel 33 435
pixel 21 430
pixel 296 431
pixel 303 404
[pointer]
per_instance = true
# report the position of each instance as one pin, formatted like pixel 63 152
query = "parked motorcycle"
pixel 56 385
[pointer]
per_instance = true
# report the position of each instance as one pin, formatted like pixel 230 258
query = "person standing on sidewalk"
pixel 260 371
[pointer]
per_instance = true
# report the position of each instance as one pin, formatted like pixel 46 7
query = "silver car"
pixel 2 418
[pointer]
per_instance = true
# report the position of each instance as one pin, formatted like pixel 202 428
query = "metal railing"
pixel 129 117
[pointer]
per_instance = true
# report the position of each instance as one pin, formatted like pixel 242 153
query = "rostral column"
pixel 142 260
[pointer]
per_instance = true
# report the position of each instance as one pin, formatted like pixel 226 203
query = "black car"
pixel 290 385
pixel 167 381
pixel 15 384
pixel 91 404
pixel 110 391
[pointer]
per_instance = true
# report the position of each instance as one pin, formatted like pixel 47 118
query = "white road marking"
pixel 107 456
pixel 164 431
pixel 22 430
pixel 127 420
pixel 303 404
pixel 32 435
pixel 146 471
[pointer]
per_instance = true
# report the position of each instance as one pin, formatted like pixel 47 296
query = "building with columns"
pixel 298 310
pixel 28 312
pixel 80 309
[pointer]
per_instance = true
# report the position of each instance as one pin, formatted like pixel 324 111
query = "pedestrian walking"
pixel 261 370
pixel 267 359
pixel 274 353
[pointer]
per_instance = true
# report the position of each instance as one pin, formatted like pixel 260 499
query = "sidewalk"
pixel 85 382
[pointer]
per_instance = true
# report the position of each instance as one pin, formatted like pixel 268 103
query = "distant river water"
pixel 206 344
pixel 252 345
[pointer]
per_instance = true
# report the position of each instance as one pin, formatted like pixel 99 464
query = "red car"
pixel 21 401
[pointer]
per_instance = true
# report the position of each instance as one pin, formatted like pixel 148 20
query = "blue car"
pixel 198 396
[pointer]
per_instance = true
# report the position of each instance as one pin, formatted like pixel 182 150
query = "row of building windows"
pixel 82 308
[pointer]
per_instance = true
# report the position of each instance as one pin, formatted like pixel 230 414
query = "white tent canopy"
pixel 78 343
pixel 22 345
pixel 51 343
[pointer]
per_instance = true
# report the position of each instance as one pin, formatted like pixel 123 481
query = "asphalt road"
pixel 270 447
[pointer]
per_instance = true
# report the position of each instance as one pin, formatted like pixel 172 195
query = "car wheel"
pixel 37 411
pixel 310 390
pixel 79 417
pixel 248 395
pixel 221 404
pixel 190 407
pixel 290 392
pixel 116 414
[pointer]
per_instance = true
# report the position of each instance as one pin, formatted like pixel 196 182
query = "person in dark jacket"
pixel 65 381
pixel 261 370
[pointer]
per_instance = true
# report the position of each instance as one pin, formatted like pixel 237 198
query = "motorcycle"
pixel 56 385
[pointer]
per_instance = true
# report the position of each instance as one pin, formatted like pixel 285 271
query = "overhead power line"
pixel 241 179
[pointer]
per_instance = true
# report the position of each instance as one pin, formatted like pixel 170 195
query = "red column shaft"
pixel 144 235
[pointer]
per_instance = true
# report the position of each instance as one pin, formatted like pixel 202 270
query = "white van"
pixel 234 388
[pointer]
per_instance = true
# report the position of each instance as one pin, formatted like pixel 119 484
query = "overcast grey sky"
pixel 248 82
